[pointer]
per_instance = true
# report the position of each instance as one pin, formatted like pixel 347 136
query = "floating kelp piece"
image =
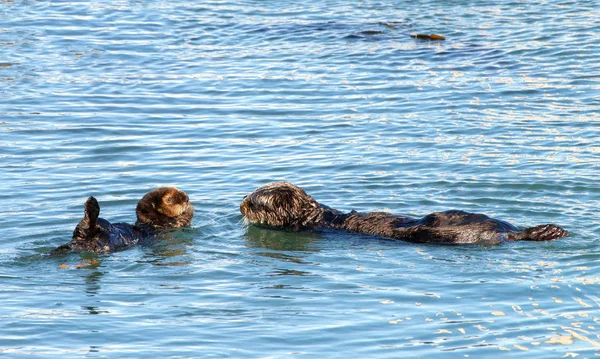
pixel 436 37
pixel 432 37
pixel 371 32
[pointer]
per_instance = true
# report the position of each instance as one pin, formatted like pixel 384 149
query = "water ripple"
pixel 114 98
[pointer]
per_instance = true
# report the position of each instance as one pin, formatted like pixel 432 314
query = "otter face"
pixel 165 207
pixel 281 204
pixel 173 202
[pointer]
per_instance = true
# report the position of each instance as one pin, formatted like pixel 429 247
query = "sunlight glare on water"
pixel 114 98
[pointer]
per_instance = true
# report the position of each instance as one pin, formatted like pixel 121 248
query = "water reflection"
pixel 286 272
pixel 277 240
pixel 92 282
pixel 285 247
pixel 169 248
pixel 94 310
pixel 494 119
pixel 284 257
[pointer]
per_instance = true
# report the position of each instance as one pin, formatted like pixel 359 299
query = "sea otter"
pixel 284 205
pixel 165 207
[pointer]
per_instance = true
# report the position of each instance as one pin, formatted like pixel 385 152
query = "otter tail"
pixel 544 232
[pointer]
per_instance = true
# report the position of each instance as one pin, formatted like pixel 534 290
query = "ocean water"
pixel 114 98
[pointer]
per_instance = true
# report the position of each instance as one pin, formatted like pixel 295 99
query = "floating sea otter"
pixel 165 207
pixel 283 205
pixel 432 37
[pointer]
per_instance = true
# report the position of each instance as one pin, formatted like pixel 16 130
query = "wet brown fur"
pixel 164 207
pixel 284 205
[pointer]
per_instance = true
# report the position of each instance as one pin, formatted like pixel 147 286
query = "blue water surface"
pixel 114 98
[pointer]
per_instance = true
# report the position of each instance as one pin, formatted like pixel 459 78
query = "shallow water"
pixel 114 98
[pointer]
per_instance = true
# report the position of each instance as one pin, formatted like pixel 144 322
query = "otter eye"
pixel 168 200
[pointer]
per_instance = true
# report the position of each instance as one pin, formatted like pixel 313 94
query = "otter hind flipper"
pixel 88 226
pixel 91 211
pixel 543 232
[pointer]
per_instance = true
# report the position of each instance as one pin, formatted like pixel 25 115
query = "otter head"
pixel 165 207
pixel 283 205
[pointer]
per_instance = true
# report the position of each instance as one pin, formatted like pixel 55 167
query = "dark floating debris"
pixel 371 32
pixel 432 37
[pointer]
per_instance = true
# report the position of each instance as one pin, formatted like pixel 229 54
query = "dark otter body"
pixel 283 205
pixel 165 207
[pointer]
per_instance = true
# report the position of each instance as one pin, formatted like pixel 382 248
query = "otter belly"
pixel 122 235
